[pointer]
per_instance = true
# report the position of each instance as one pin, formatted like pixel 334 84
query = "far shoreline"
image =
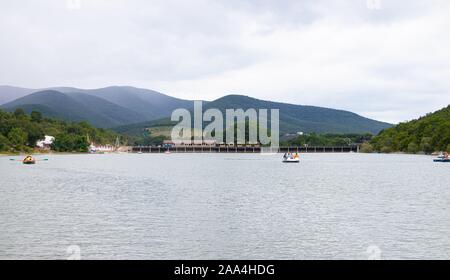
pixel 135 153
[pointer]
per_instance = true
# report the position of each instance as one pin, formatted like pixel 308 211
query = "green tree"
pixel 19 112
pixel 366 148
pixel 61 143
pixel 4 143
pixel 426 145
pixel 35 134
pixel 18 138
pixel 413 148
pixel 80 144
pixel 70 143
pixel 36 116
pixel 448 148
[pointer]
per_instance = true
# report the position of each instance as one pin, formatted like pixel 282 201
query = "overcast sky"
pixel 388 60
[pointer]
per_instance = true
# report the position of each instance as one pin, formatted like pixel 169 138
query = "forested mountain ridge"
pixel 296 118
pixel 427 134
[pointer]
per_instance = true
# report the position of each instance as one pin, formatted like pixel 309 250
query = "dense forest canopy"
pixel 427 134
pixel 20 132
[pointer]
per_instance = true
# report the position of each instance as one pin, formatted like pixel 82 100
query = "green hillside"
pixel 426 134
pixel 138 129
pixel 151 105
pixel 295 118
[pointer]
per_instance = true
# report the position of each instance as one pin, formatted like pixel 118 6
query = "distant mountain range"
pixel 105 107
pixel 8 93
pixel 137 108
pixel 149 104
pixel 75 107
pixel 295 118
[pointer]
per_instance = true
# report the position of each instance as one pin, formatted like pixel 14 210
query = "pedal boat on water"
pixel 442 158
pixel 289 158
pixel 29 160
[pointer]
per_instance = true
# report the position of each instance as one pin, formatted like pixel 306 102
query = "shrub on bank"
pixel 413 148
pixel 366 148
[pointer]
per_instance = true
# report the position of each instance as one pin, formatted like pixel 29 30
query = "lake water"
pixel 226 206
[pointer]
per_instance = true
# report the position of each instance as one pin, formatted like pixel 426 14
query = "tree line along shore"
pixel 19 132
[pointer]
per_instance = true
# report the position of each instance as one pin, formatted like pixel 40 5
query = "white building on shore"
pixel 46 142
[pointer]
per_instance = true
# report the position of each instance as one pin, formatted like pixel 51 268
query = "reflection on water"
pixel 227 206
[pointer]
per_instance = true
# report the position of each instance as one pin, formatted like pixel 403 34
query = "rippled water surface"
pixel 227 206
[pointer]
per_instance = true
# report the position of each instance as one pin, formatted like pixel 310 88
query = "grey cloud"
pixel 328 53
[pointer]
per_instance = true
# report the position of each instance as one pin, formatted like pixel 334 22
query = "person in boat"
pixel 285 156
pixel 296 156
